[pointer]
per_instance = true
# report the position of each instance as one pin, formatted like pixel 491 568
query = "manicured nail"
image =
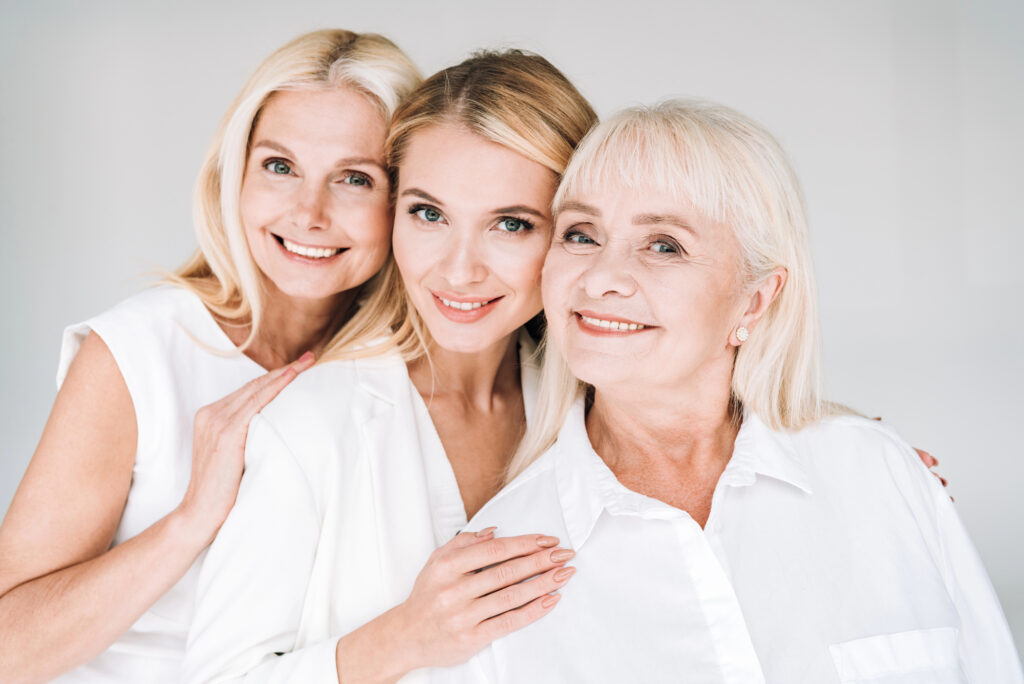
pixel 562 555
pixel 308 356
pixel 550 600
pixel 486 531
pixel 564 574
pixel 546 542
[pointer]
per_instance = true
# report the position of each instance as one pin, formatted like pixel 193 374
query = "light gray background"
pixel 903 119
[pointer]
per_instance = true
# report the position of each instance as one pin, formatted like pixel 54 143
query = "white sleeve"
pixel 253 582
pixel 987 652
pixel 480 669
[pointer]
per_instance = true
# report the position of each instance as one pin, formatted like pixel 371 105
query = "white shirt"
pixel 347 490
pixel 830 555
pixel 157 338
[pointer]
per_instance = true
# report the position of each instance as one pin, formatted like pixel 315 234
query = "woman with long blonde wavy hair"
pixel 141 458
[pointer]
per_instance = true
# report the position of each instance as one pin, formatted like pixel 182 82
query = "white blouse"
pixel 830 555
pixel 347 490
pixel 157 339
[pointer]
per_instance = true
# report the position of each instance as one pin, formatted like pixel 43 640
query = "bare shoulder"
pixel 70 500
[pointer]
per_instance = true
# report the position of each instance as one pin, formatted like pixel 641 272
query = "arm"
pixel 65 596
pixel 987 652
pixel 255 579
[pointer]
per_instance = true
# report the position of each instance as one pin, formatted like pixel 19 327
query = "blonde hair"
pixel 222 271
pixel 513 98
pixel 733 172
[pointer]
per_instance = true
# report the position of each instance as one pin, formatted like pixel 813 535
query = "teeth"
pixel 311 252
pixel 461 306
pixel 611 325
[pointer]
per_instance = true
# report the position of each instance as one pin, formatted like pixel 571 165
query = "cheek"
pixel 557 278
pixel 412 253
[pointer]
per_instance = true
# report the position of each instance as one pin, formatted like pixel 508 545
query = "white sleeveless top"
pixel 157 338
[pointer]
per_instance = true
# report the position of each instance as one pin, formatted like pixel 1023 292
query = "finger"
pixel 265 394
pixel 518 595
pixel 498 550
pixel 941 479
pixel 928 459
pixel 514 620
pixel 238 399
pixel 464 539
pixel 516 570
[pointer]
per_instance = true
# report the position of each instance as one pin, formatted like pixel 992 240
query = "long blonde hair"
pixel 222 271
pixel 514 98
pixel 734 172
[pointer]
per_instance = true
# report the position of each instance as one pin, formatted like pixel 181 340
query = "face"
pixel 640 291
pixel 314 202
pixel 472 226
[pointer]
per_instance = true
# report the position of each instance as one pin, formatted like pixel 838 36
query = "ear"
pixel 760 299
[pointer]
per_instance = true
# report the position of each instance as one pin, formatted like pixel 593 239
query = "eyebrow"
pixel 422 194
pixel 345 161
pixel 580 207
pixel 663 219
pixel 514 209
pixel 520 209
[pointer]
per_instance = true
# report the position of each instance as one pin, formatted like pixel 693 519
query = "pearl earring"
pixel 742 334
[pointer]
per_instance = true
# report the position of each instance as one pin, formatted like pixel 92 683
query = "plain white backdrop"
pixel 903 119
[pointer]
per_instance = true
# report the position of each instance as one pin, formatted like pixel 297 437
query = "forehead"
pixel 618 201
pixel 460 167
pixel 323 119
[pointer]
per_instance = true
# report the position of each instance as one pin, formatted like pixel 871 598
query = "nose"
pixel 608 274
pixel 310 209
pixel 462 263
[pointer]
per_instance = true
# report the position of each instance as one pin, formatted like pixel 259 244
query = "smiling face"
pixel 314 201
pixel 472 226
pixel 641 291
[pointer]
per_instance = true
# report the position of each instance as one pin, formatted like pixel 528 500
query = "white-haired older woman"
pixel 729 524
pixel 293 216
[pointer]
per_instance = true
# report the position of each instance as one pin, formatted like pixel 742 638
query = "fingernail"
pixel 562 555
pixel 943 481
pixel 308 356
pixel 564 574
pixel 551 600
pixel 486 531
pixel 546 542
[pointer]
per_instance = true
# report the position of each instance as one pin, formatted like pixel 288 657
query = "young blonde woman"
pixel 731 526
pixel 141 458
pixel 326 569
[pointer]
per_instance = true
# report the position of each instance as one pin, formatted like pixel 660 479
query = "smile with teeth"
pixel 610 325
pixel 463 306
pixel 309 252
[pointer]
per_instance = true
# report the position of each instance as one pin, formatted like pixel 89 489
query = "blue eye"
pixel 358 179
pixel 277 166
pixel 664 248
pixel 577 238
pixel 428 214
pixel 514 225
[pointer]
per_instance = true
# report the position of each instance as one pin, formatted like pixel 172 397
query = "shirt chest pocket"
pixel 925 656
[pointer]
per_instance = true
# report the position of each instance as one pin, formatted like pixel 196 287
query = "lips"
pixel 310 252
pixel 461 309
pixel 604 324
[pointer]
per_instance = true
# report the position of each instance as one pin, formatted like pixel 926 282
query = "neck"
pixel 291 326
pixel 476 377
pixel 683 428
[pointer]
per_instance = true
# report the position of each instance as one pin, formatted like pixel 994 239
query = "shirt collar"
pixel 760 450
pixel 587 487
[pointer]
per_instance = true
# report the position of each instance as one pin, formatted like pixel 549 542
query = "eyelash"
pixel 368 181
pixel 414 210
pixel 571 233
pixel 525 225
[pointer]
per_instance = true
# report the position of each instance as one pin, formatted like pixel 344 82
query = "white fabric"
pixel 153 338
pixel 347 491
pixel 830 555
